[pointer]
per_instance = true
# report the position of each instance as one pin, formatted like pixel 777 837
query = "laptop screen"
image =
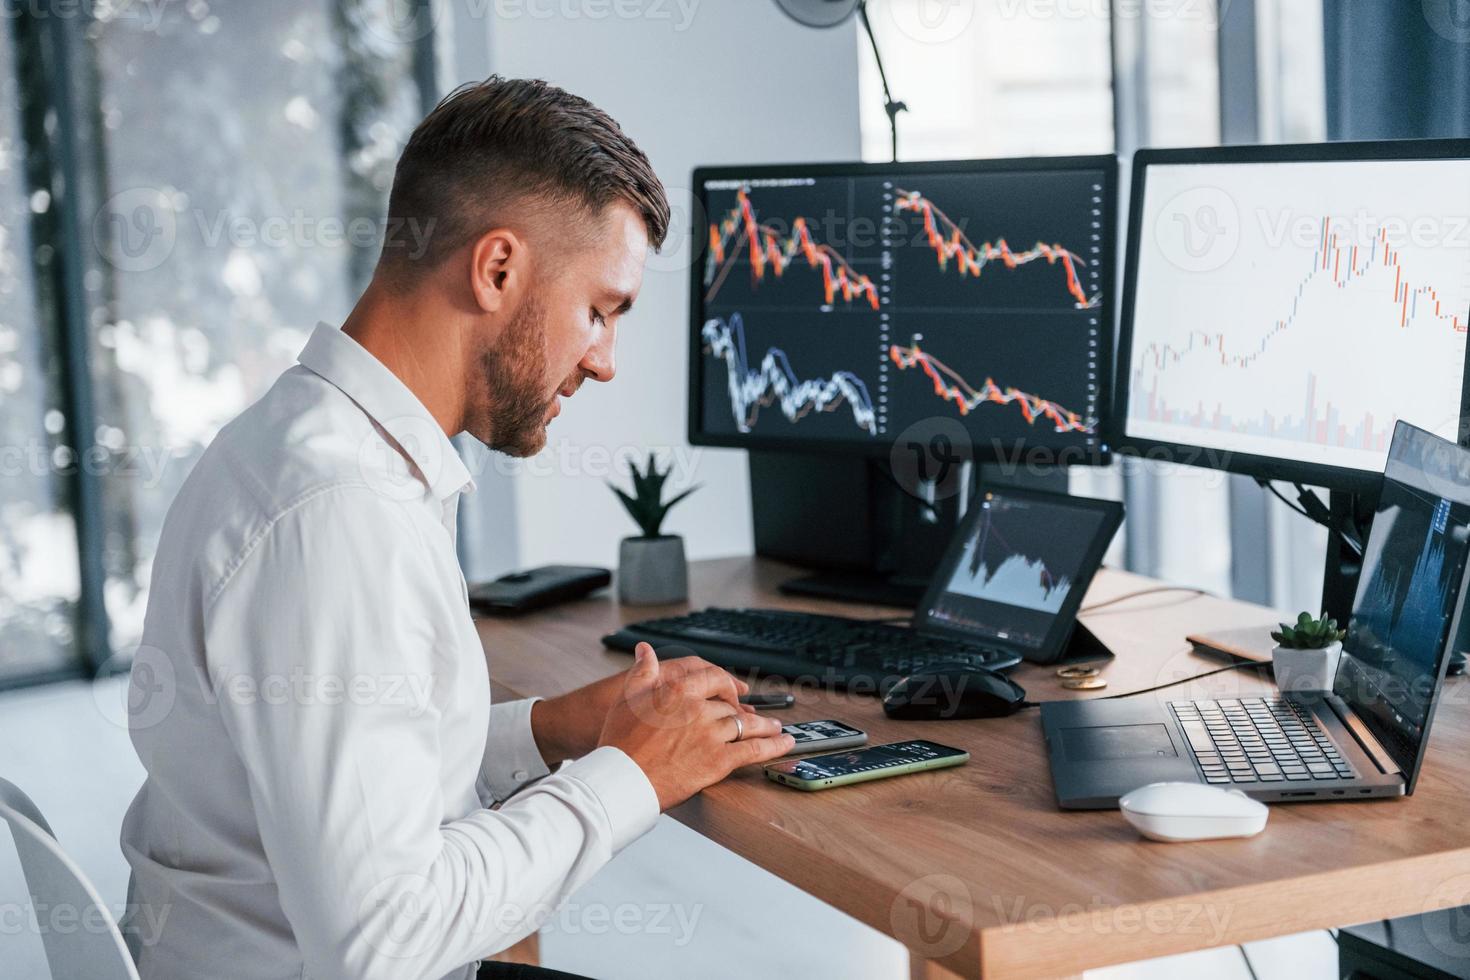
pixel 1409 592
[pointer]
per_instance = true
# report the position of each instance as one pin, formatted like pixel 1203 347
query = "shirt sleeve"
pixel 334 610
pixel 512 759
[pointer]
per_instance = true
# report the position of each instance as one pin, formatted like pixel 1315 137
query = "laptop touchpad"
pixel 1117 742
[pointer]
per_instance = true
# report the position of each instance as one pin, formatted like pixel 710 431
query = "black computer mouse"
pixel 945 691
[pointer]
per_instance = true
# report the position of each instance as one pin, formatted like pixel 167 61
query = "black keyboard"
pixel 831 650
pixel 1259 740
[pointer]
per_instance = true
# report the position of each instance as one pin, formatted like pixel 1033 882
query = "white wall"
pixel 693 82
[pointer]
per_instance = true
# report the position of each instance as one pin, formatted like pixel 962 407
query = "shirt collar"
pixel 389 403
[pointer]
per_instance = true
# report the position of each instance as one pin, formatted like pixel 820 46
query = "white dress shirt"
pixel 312 706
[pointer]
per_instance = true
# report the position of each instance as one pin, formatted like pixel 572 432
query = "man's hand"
pixel 685 727
pixel 569 726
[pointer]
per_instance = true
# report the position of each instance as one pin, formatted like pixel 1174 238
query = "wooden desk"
pixel 975 870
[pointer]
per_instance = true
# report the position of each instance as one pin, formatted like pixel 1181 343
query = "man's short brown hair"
pixel 511 140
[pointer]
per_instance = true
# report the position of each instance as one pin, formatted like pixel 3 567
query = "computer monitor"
pixel 1285 306
pixel 836 306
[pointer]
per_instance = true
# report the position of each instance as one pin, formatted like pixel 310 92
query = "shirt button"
pixel 520 775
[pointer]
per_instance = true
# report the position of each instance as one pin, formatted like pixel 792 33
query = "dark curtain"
pixel 1397 69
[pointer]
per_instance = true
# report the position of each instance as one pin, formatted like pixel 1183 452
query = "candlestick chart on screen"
pixel 1311 326
pixel 850 308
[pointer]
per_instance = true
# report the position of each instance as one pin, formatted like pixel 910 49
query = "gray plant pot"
pixel 652 571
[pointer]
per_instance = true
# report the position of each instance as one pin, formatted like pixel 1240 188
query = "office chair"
pixel 55 881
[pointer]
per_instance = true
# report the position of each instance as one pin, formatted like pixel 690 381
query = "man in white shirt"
pixel 330 793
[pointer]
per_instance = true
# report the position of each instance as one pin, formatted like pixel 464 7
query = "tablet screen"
pixel 1016 573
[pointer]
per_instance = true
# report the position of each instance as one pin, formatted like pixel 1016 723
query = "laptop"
pixel 1367 737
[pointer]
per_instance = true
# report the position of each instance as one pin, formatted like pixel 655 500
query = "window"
pixel 990 78
pixel 40 581
pixel 233 163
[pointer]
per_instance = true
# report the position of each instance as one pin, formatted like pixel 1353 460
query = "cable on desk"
pixel 1142 592
pixel 1159 687
pixel 1192 677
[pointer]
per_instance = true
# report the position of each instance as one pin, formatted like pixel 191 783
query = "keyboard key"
pixel 1274 777
pixel 1268 768
pixel 1199 739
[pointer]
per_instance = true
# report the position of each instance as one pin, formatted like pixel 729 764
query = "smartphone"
pixel 823 736
pixel 879 762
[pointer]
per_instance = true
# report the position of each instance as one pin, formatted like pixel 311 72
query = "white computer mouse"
pixel 1192 811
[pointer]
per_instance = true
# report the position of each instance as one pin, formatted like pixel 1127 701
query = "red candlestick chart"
pixel 951 387
pixel 771 251
pixel 953 249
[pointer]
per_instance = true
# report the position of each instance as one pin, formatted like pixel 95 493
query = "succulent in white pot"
pixel 651 566
pixel 1307 654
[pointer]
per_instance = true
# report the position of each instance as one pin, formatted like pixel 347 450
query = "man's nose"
pixel 600 363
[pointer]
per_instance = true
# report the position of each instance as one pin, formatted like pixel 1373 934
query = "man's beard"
pixel 513 402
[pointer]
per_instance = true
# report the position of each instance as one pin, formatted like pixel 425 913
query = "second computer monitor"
pixel 1286 305
pixel 840 307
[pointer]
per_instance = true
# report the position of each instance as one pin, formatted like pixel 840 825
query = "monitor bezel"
pixel 1107 163
pixel 1247 464
pixel 1065 621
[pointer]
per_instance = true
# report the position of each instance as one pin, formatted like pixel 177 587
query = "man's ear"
pixel 497 269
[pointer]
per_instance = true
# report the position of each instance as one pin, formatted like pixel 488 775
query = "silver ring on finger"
pixel 739 728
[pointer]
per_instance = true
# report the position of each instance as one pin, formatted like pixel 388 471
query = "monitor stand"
pixel 848 519
pixel 1352 511
pixel 867 588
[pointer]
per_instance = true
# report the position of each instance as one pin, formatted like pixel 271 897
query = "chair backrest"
pixel 77 931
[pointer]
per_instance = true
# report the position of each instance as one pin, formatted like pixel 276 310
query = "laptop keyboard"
pixel 1258 740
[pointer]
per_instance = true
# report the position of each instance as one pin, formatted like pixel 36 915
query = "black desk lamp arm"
pixel 891 107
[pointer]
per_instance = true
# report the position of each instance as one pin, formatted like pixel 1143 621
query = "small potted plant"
pixel 1307 654
pixel 651 566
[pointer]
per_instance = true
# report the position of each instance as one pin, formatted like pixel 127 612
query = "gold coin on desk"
pixel 1084 683
pixel 1074 672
